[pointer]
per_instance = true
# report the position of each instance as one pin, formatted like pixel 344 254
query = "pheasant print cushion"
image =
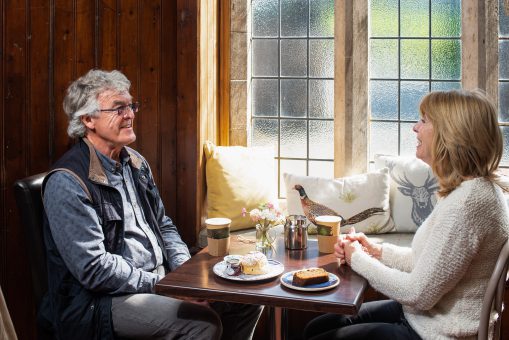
pixel 362 200
pixel 413 188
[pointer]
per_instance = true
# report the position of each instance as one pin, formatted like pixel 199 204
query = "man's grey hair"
pixel 81 96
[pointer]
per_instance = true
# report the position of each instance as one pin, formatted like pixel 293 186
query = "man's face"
pixel 110 131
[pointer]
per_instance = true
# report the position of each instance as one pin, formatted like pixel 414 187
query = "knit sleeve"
pixel 397 257
pixel 453 242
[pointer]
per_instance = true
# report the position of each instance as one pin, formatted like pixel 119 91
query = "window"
pixel 318 112
pixel 292 86
pixel 414 48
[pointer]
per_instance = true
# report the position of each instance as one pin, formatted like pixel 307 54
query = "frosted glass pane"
pixel 445 85
pixel 323 169
pixel 503 56
pixel 264 132
pixel 383 18
pixel 505 153
pixel 321 139
pixel 265 62
pixel 383 60
pixel 414 59
pixel 293 138
pixel 503 95
pixel 294 56
pixel 265 15
pixel 321 18
pixel 446 59
pixel 384 99
pixel 293 97
pixel 383 139
pixel 321 98
pixel 446 18
pixel 411 95
pixel 265 97
pixel 295 167
pixel 321 58
pixel 408 143
pixel 503 22
pixel 294 18
pixel 414 18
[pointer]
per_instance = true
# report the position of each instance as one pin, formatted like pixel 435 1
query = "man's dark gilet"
pixel 73 311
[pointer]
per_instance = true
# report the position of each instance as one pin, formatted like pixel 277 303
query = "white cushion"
pixel 346 197
pixel 413 190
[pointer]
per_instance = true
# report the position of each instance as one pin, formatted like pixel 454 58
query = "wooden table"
pixel 196 279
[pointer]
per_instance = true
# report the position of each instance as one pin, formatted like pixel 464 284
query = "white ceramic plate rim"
pixel 309 289
pixel 275 269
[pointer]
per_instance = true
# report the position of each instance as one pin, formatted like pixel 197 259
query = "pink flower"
pixel 244 211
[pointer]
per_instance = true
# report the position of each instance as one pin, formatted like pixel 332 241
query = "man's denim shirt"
pixel 79 238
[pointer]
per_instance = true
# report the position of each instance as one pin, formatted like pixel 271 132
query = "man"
pixel 107 236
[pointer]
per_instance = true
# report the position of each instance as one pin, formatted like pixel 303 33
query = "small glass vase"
pixel 264 239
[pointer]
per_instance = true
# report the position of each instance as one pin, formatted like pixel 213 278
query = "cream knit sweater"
pixel 441 279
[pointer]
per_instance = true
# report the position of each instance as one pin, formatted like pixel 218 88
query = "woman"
pixel 436 287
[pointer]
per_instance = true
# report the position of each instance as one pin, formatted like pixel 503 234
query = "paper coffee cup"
pixel 328 232
pixel 218 235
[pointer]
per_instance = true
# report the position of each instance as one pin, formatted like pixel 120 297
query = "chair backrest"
pixel 494 297
pixel 29 202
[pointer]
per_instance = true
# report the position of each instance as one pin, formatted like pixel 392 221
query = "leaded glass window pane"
pixel 414 47
pixel 292 83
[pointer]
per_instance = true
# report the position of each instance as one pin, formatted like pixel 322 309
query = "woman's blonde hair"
pixel 467 141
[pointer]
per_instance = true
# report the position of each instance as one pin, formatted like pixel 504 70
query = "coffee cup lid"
pixel 218 221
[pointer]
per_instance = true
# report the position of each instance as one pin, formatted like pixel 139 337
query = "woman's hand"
pixel 369 247
pixel 344 248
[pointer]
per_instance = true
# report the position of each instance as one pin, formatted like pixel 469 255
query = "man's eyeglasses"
pixel 124 109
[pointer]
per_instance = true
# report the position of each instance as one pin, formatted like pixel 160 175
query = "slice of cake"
pixel 254 263
pixel 310 276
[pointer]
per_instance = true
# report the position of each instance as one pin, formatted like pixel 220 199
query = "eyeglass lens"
pixel 122 111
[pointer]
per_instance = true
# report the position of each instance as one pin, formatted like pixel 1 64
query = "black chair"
pixel 494 296
pixel 30 206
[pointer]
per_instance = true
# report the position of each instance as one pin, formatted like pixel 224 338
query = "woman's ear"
pixel 88 122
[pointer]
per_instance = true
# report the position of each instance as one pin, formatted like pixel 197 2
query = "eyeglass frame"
pixel 122 110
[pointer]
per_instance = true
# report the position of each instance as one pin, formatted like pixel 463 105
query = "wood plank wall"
pixel 47 43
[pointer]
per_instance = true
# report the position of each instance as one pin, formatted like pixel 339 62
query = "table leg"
pixel 272 322
pixel 278 320
pixel 284 323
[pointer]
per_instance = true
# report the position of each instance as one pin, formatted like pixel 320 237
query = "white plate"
pixel 287 281
pixel 275 269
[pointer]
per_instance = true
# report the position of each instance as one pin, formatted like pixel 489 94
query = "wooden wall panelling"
pixel 187 120
pixel 62 72
pixel 15 161
pixel 168 108
pixel 38 79
pixel 15 122
pixel 3 194
pixel 149 69
pixel 107 23
pixel 85 42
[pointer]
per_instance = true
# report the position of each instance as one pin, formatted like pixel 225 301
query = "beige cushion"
pixel 362 200
pixel 238 177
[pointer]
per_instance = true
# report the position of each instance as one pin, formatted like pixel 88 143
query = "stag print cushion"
pixel 413 189
pixel 362 201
